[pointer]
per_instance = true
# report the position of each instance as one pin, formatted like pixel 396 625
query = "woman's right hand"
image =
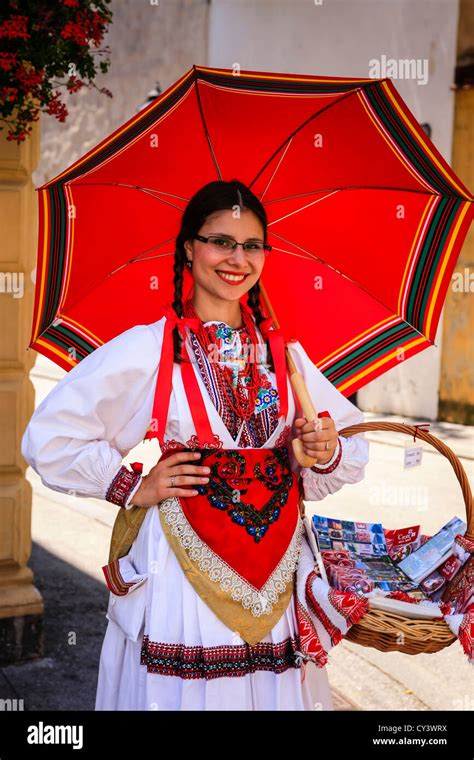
pixel 156 486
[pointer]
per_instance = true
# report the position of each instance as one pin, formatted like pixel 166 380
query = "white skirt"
pixel 168 612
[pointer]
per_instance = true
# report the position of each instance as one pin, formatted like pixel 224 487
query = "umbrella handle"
pixel 309 411
pixel 299 386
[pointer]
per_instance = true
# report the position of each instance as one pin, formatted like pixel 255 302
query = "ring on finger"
pixel 172 481
pixel 327 445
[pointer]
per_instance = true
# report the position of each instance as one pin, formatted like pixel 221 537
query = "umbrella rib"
pixel 353 282
pixel 355 187
pixel 335 190
pixel 208 138
pixel 117 269
pixel 297 210
pixel 137 259
pixel 148 190
pixel 310 118
pixel 276 169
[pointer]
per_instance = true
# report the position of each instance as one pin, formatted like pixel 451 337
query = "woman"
pixel 202 607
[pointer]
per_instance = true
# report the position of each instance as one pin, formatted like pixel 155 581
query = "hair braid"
pixel 253 301
pixel 177 304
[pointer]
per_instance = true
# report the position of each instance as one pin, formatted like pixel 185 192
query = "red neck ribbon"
pixel 196 403
pixel 277 342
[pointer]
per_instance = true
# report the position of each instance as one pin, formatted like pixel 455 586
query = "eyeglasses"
pixel 223 244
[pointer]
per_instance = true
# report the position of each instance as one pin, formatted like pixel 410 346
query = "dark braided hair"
pixel 215 196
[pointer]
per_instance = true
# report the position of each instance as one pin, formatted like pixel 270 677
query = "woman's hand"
pixel 314 441
pixel 156 486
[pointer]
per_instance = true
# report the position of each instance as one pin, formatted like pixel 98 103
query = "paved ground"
pixel 71 541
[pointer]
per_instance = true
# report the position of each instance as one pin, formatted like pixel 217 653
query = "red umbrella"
pixel 366 218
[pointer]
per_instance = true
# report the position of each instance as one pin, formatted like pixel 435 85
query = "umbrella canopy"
pixel 366 218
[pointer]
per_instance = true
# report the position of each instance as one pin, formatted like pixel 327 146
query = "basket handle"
pixel 401 427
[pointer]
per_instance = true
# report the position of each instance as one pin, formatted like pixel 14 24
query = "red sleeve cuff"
pixel 331 467
pixel 121 486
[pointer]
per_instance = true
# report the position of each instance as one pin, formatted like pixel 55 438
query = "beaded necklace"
pixel 231 381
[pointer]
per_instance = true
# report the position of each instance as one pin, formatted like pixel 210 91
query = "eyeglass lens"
pixel 222 243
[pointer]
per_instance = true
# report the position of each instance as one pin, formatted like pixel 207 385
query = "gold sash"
pixel 125 530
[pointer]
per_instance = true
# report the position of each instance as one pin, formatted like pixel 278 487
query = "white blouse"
pixel 79 434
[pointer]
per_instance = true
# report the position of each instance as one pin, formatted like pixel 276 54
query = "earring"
pixel 189 263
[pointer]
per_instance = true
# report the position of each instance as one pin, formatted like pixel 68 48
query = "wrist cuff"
pixel 333 462
pixel 122 486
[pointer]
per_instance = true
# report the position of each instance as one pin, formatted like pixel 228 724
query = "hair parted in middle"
pixel 218 195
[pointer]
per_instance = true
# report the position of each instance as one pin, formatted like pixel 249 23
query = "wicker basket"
pixel 395 633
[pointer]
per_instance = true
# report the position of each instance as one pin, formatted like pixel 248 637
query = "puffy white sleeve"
pixel 71 438
pixel 347 465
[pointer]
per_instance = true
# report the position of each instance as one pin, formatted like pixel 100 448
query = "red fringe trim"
pixel 466 634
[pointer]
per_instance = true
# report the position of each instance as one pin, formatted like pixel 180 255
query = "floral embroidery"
pixel 350 606
pixel 259 601
pixel 465 543
pixel 255 431
pixel 267 396
pixel 194 443
pixel 172 444
pixel 215 662
pixel 228 480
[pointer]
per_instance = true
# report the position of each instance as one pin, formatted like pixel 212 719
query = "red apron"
pixel 238 540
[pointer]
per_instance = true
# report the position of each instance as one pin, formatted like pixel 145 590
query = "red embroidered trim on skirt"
pixel 215 662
